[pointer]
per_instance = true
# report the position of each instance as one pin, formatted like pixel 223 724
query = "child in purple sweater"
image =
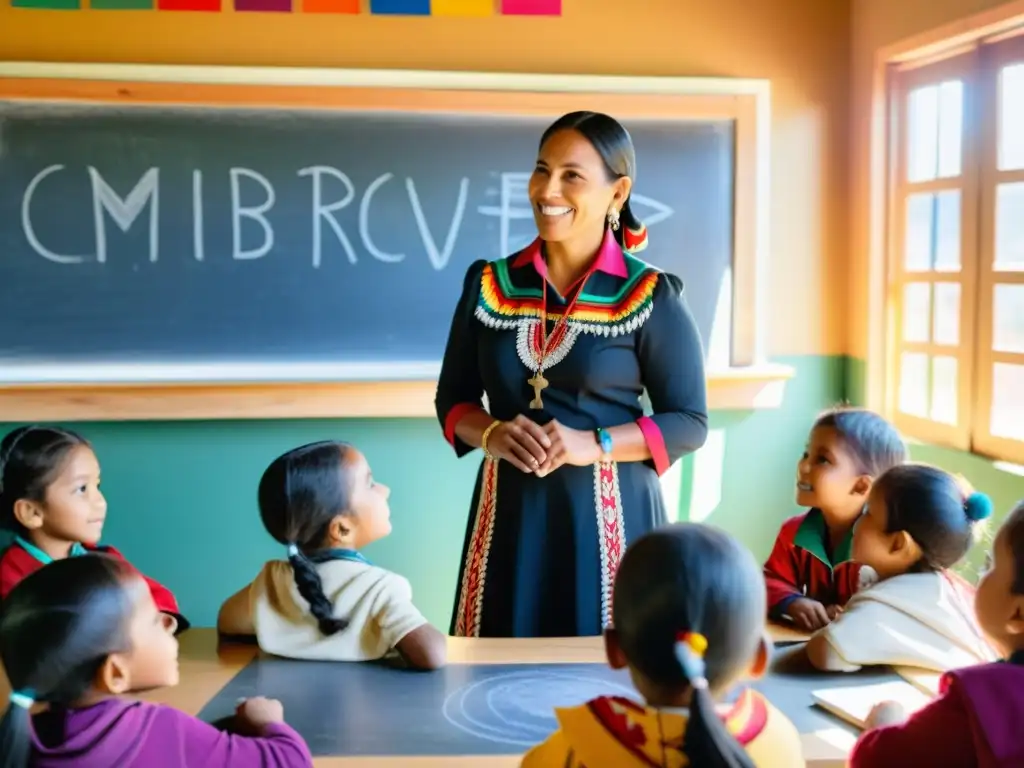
pixel 82 633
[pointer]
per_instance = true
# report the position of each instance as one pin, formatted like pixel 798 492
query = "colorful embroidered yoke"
pixel 540 553
pixel 614 732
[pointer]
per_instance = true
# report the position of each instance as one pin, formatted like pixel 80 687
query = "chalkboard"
pixel 158 235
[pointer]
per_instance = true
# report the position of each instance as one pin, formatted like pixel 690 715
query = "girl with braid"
pixel 327 601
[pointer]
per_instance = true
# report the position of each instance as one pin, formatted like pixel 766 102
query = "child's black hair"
pixel 936 509
pixel 300 493
pixel 30 459
pixel 1014 527
pixel 692 578
pixel 57 628
pixel 876 444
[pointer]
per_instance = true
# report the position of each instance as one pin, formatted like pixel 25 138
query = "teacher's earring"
pixel 613 219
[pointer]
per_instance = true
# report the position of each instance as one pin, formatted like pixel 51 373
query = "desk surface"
pixel 207 667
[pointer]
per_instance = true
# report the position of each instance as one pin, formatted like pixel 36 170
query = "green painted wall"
pixel 1005 487
pixel 182 494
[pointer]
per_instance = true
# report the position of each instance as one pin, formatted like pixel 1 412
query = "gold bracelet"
pixel 487 433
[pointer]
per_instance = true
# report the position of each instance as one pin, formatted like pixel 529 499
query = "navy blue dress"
pixel 540 553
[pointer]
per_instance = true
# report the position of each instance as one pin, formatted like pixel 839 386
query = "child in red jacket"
pixel 977 719
pixel 809 574
pixel 51 500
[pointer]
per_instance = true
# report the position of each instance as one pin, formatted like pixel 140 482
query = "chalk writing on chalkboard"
pixel 253 195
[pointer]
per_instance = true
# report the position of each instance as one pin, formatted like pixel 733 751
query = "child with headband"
pixel 977 719
pixel 920 522
pixel 327 601
pixel 83 634
pixel 688 616
pixel 50 499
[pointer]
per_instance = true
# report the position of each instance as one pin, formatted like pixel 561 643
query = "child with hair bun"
pixel 976 721
pixel 688 622
pixel 327 601
pixel 920 522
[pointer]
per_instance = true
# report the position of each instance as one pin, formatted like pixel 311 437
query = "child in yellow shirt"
pixel 688 616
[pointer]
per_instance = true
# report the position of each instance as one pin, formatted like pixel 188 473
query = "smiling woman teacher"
pixel 564 337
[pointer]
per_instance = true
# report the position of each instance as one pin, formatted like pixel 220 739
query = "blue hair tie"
pixel 24 699
pixel 293 550
pixel 978 507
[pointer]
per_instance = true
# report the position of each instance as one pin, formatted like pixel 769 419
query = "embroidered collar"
pixel 329 555
pixel 76 550
pixel 810 536
pixel 609 259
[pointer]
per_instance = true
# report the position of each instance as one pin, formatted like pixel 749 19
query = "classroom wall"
pixel 877 24
pixel 184 492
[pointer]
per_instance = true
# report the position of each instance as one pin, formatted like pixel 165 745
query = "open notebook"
pixel 853 703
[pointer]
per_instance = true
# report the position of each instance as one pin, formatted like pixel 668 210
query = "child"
pixel 80 635
pixel 688 618
pixel 976 720
pixel 919 523
pixel 50 499
pixel 809 574
pixel 327 602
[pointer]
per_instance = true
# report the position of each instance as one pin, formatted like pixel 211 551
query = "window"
pixel 956 241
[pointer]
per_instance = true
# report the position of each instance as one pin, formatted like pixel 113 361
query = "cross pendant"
pixel 539 383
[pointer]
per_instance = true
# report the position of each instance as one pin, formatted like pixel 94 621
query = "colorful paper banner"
pixel 531 7
pixel 400 7
pixel 462 7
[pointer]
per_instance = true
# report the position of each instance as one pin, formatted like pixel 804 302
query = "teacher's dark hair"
pixel 615 146
pixel 57 628
pixel 692 578
pixel 31 458
pixel 300 493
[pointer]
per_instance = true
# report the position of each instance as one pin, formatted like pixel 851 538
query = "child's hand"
pixel 253 715
pixel 885 713
pixel 808 614
pixel 833 611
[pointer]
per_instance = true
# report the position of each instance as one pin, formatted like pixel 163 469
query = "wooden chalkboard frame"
pixel 84 394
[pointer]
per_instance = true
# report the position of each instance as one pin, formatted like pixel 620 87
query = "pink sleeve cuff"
pixel 454 417
pixel 655 443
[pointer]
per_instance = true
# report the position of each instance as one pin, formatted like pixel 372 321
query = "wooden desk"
pixel 206 668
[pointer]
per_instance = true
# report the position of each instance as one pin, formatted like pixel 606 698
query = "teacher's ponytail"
pixel 631 234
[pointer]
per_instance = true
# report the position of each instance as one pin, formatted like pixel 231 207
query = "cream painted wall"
pixel 801 45
pixel 877 24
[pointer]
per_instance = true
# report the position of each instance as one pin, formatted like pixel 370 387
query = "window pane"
pixel 951 122
pixel 946 320
pixel 1011 117
pixel 1007 418
pixel 1008 320
pixel 917 311
pixel 947 245
pixel 923 133
pixel 914 384
pixel 1010 226
pixel 932 239
pixel 917 256
pixel 944 389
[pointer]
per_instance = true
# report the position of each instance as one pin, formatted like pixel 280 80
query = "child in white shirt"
pixel 327 602
pixel 919 523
